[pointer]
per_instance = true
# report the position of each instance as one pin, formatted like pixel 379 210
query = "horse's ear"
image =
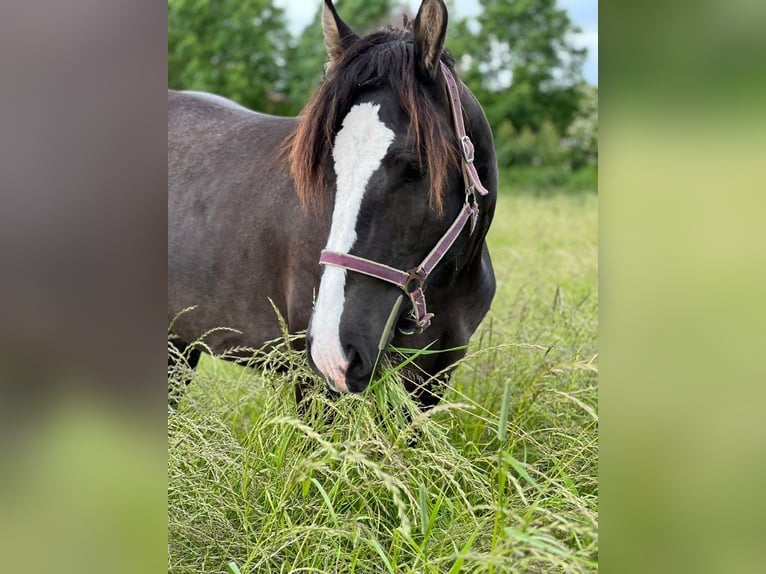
pixel 429 29
pixel 337 36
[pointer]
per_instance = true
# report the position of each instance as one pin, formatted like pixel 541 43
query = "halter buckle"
pixel 412 325
pixel 468 149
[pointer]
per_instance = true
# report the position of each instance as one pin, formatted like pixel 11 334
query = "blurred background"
pixel 533 64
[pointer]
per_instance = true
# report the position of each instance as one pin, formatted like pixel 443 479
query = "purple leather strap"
pixel 420 316
pixel 395 276
pixel 469 170
pixel 405 281
pixel 448 239
pixel 364 266
pixel 416 277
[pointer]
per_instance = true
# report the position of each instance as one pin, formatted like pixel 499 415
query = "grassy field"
pixel 504 475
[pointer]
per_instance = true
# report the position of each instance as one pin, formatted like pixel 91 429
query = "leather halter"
pixel 412 281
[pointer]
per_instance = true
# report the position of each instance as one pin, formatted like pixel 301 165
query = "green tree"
pixel 235 48
pixel 582 136
pixel 519 58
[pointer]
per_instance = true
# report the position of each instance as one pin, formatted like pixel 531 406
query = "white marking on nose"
pixel 360 146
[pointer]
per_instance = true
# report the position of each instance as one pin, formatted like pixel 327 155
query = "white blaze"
pixel 360 146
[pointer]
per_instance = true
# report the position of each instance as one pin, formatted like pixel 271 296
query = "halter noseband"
pixel 412 281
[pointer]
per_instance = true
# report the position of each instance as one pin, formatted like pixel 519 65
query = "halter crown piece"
pixel 412 281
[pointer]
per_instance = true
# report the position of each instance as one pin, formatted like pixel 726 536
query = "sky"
pixel 583 13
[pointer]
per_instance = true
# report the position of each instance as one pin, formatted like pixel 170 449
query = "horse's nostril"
pixel 354 360
pixel 357 368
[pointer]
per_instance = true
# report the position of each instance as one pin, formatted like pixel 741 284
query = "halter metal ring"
pixel 414 280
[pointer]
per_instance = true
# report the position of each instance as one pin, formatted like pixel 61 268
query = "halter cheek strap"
pixel 412 281
pixel 471 177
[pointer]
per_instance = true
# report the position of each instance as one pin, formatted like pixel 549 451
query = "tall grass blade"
pixel 379 549
pixel 502 424
pixel 327 501
pixel 383 343
pixel 516 465
pixel 458 565
pixel 423 500
pixel 538 542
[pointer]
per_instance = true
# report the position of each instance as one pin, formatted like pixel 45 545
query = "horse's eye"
pixel 414 171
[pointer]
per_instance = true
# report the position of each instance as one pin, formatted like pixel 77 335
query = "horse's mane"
pixel 383 57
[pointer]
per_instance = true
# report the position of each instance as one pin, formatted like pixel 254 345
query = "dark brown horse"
pixel 377 176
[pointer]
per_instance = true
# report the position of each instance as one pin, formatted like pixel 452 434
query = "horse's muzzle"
pixel 350 373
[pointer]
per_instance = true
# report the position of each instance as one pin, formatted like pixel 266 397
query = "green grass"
pixel 503 477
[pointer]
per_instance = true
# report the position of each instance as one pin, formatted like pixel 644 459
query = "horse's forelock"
pixel 386 56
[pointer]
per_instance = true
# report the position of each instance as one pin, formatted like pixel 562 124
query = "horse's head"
pixel 380 138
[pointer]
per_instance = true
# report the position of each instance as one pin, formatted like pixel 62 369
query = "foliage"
pixel 528 148
pixel 582 135
pixel 502 477
pixel 546 163
pixel 520 60
pixel 236 48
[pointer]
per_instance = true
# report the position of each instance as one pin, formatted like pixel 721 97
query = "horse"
pixel 363 220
